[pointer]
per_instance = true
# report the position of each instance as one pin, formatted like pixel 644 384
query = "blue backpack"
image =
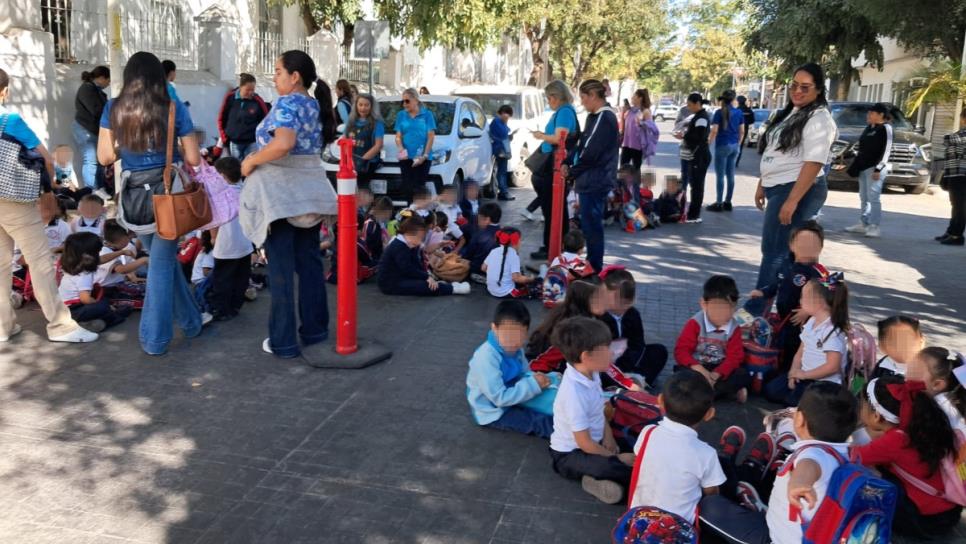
pixel 857 508
pixel 650 525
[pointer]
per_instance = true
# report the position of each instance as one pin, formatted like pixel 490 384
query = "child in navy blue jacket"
pixel 402 270
pixel 484 238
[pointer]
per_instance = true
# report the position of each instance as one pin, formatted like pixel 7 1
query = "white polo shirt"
pixel 781 528
pixel 831 339
pixel 677 465
pixel 782 167
pixel 501 287
pixel 579 406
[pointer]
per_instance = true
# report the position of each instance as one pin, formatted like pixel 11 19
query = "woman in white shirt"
pixel 797 146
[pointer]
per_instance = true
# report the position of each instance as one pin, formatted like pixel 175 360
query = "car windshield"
pixel 492 102
pixel 443 112
pixel 853 115
pixel 761 116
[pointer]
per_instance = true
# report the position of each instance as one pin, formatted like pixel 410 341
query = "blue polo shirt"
pixel 415 130
pixel 728 136
pixel 564 117
pixel 152 158
pixel 17 129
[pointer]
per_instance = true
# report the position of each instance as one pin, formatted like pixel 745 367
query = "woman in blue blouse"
pixel 727 132
pixel 415 132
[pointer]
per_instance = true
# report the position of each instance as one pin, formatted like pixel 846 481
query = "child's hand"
pixel 433 284
pixel 713 377
pixel 799 317
pixel 792 382
pixel 756 293
pixel 797 494
pixel 129 253
pixel 626 458
pixel 542 380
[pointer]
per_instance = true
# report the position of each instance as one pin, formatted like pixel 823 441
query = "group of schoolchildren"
pixel 904 419
pixel 632 204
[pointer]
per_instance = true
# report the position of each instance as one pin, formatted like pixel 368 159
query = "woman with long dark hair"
pixel 134 128
pixel 283 201
pixel 88 107
pixel 343 107
pixel 796 150
pixel 637 115
pixel 727 133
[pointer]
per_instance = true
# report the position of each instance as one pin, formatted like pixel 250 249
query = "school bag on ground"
pixel 650 525
pixel 861 358
pixel 858 505
pixel 559 276
pixel 633 410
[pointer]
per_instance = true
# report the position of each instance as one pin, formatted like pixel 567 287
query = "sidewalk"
pixel 218 442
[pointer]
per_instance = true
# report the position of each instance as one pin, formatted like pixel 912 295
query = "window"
pixel 166 25
pixel 55 18
pixel 269 17
pixel 443 113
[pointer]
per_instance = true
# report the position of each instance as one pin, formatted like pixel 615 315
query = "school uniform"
pixel 82 224
pixel 57 232
pixel 645 359
pixel 115 286
pixel 716 350
pixel 70 289
pixel 675 468
pixel 887 366
pixel 402 271
pixel 470 211
pixel 478 249
pixel 233 267
pixel 818 339
pixel 579 406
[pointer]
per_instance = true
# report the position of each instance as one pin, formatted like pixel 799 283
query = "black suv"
pixel 910 154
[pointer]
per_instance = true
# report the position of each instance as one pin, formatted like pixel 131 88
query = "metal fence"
pixel 266 47
pixel 76 32
pixel 356 69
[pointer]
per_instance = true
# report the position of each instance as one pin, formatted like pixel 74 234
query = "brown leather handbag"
pixel 178 214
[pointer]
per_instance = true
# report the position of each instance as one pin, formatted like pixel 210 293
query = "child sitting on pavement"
pixel 582 446
pixel 91 218
pixel 573 256
pixel 669 207
pixel 504 278
pixel 584 298
pixel 676 467
pixel 118 276
pixel 625 322
pixel 82 256
pixel 711 342
pixel 402 270
pixel 900 339
pixel 499 380
pixel 57 229
pixel 470 208
pixel 422 204
pixel 483 239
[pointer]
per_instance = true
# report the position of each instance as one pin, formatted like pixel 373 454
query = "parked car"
pixel 461 150
pixel 908 160
pixel 530 112
pixel 664 112
pixel 755 132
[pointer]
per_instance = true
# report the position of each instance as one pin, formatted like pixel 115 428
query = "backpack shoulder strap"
pixel 790 462
pixel 638 461
pixel 907 477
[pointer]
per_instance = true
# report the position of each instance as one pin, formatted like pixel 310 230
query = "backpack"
pixel 633 410
pixel 650 525
pixel 759 337
pixel 952 469
pixel 558 278
pixel 223 198
pixel 858 506
pixel 862 358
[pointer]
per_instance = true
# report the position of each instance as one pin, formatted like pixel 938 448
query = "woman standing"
pixel 727 132
pixel 634 119
pixel 695 155
pixel 283 201
pixel 415 133
pixel 20 224
pixel 954 181
pixel 88 107
pixel 343 105
pixel 241 111
pixel 796 149
pixel 870 166
pixel 367 128
pixel 134 128
pixel 564 116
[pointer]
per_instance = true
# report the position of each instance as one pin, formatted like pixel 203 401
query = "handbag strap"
pixel 169 149
pixel 3 122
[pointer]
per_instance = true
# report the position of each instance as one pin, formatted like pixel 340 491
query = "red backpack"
pixel 633 411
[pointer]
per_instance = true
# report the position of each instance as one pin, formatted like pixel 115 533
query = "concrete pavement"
pixel 217 442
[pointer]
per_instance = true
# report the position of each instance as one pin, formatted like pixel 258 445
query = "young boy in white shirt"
pixel 582 446
pixel 827 415
pixel 677 467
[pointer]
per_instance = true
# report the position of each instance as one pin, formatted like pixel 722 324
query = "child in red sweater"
pixel 710 342
pixel 910 438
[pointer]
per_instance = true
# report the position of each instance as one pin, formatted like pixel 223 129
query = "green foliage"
pixel 460 24
pixel 713 45
pixel 923 25
pixel 944 83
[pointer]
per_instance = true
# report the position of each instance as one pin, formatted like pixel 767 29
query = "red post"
pixel 346 340
pixel 559 197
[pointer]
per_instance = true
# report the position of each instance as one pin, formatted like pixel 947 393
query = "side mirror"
pixel 471 132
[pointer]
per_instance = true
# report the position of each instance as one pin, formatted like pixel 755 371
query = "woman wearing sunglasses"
pixel 796 150
pixel 415 131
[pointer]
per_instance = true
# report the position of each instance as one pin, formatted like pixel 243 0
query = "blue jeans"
pixel 240 151
pixel 870 192
pixel 592 223
pixel 87 147
pixel 725 157
pixel 526 421
pixel 501 176
pixel 774 235
pixel 292 250
pixel 168 298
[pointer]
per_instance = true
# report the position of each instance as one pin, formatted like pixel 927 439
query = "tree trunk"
pixel 305 10
pixel 348 33
pixel 845 82
pixel 537 39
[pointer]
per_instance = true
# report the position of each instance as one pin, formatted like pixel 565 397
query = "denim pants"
pixel 725 157
pixel 240 151
pixel 774 235
pixel 501 176
pixel 592 223
pixel 168 299
pixel 526 421
pixel 87 147
pixel 292 250
pixel 870 192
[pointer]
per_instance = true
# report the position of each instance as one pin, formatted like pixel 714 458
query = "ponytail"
pixel 835 292
pixel 725 113
pixel 506 237
pixel 945 365
pixel 506 249
pixel 326 114
pixel 97 72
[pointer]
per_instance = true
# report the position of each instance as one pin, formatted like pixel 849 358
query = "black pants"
pixel 741 147
pixel 576 464
pixel 698 168
pixel 417 288
pixel 534 204
pixel 909 522
pixel 631 156
pixel 544 188
pixel 723 520
pixel 728 387
pixel 412 176
pixel 229 280
pixel 957 198
pixel 99 310
pixel 648 363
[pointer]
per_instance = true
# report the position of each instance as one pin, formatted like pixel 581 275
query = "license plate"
pixel 378 186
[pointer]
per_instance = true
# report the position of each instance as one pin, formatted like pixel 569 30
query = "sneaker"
pixel 76 336
pixel 16 330
pixel 953 241
pixel 16 300
pixel 941 237
pixel 539 255
pixel 478 278
pixel 785 441
pixel 716 207
pixel 872 231
pixel 206 318
pixel 506 198
pixel 762 451
pixel 748 497
pixel 461 288
pixel 726 207
pixel 267 346
pixel 732 440
pixel 654 220
pixel 103 195
pixel 251 294
pixel 605 491
pixel 95 325
pixel 858 228
pixel 695 221
pixel 528 215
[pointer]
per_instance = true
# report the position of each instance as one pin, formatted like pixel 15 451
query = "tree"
pixel 319 14
pixel 919 24
pixel 713 44
pixel 460 24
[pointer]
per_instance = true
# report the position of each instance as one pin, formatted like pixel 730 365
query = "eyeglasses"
pixel 406 101
pixel 796 86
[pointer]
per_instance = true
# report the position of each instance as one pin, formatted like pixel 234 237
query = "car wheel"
pixel 916 189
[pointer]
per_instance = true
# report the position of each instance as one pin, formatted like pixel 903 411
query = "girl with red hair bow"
pixel 502 268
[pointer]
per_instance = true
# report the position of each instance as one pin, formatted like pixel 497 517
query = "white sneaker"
pixel 206 318
pixel 872 231
pixel 605 491
pixel 76 336
pixel 267 346
pixel 461 288
pixel 528 215
pixel 695 221
pixel 16 330
pixel 251 294
pixel 16 300
pixel 858 228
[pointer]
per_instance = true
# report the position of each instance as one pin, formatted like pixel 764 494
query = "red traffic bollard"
pixel 559 198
